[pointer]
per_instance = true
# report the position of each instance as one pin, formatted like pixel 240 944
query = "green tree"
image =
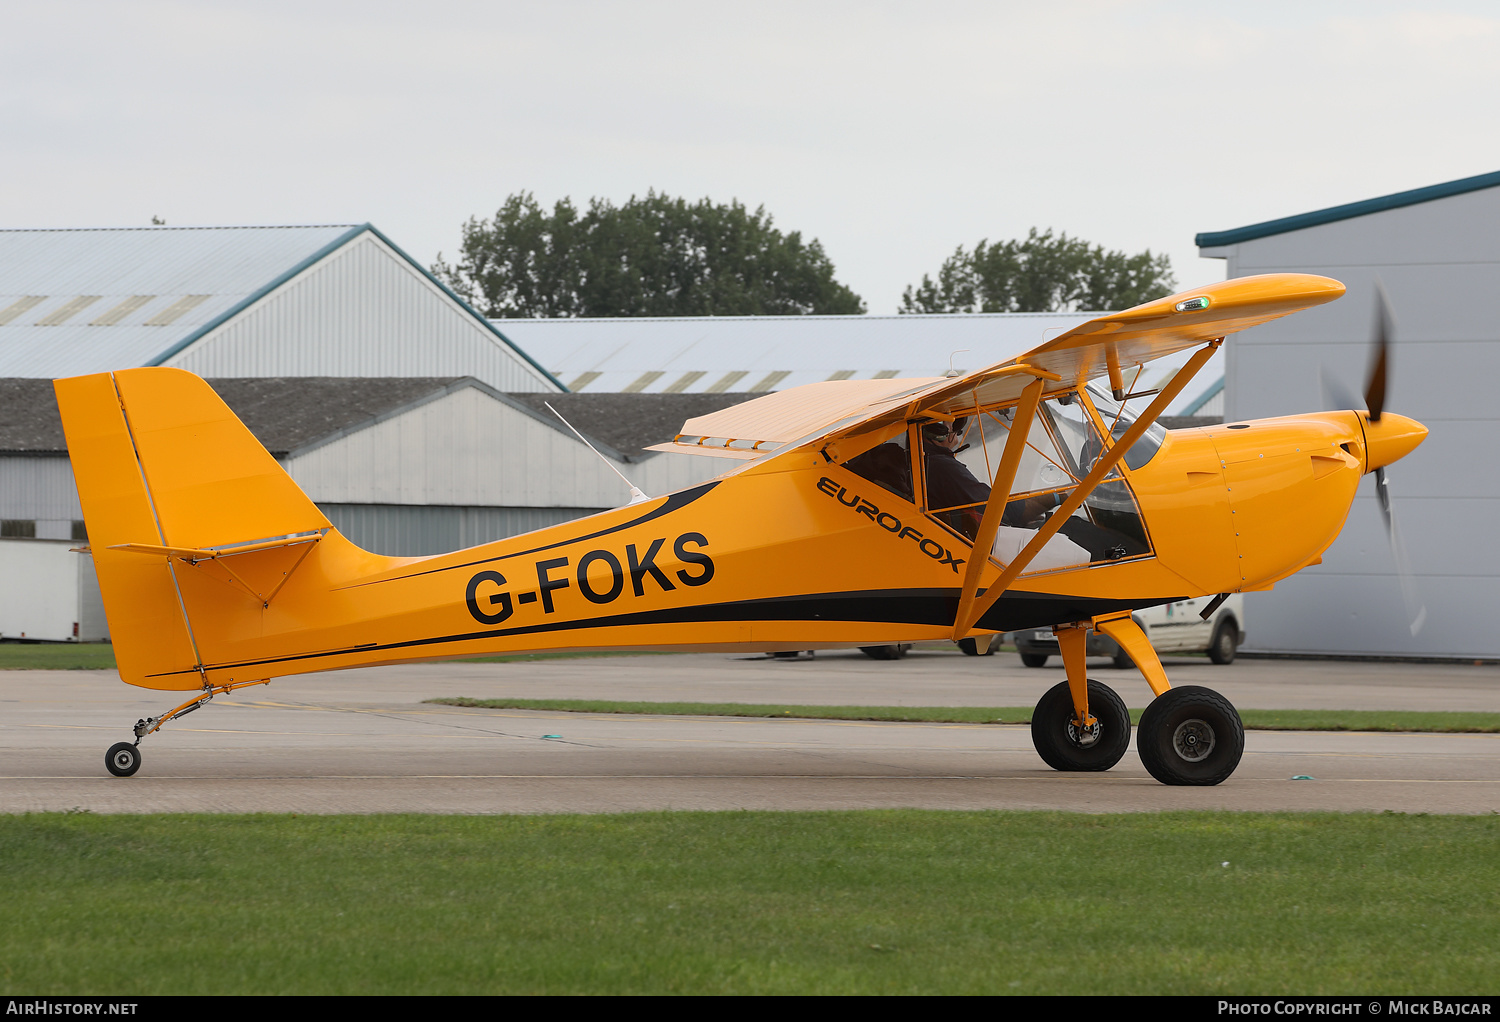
pixel 655 256
pixel 1041 274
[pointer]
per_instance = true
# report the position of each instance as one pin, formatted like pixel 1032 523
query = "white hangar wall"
pixel 38 488
pixel 1439 260
pixel 470 467
pixel 362 310
pixel 470 448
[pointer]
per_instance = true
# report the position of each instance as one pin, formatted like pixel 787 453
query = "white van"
pixel 1172 628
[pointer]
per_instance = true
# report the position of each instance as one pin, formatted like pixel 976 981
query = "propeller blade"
pixel 1336 396
pixel 1416 614
pixel 1380 358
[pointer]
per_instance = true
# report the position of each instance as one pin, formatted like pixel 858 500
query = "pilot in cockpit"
pixel 950 484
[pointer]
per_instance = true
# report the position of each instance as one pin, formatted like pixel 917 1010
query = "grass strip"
pixel 56 656
pixel 1260 720
pixel 874 902
pixel 937 714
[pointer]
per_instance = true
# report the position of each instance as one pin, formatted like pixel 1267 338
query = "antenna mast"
pixel 636 496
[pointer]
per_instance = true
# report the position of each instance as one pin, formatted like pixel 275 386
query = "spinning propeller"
pixel 1384 443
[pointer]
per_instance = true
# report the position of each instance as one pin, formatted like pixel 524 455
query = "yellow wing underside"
pixel 1116 343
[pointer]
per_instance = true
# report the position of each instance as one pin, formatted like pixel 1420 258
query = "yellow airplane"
pixel 854 516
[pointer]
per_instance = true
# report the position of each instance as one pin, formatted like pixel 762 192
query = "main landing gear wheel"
pixel 1190 735
pixel 1063 745
pixel 123 759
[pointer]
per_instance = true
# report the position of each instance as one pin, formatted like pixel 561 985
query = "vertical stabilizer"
pixel 161 461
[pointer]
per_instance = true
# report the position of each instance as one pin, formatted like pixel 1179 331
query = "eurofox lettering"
pixel 890 523
pixel 599 574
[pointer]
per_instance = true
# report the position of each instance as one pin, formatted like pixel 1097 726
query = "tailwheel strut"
pixel 124 758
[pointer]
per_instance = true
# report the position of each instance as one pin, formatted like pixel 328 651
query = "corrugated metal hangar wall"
pixel 1437 252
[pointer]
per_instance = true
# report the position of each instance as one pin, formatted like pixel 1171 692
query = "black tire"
pixel 895 651
pixel 122 759
pixel 1221 650
pixel 968 647
pixel 1058 741
pixel 1190 735
pixel 972 647
pixel 1122 659
pixel 1034 659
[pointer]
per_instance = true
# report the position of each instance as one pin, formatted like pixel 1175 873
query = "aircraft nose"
pixel 1391 438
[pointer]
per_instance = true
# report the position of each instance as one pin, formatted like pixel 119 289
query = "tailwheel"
pixel 122 759
pixel 1190 735
pixel 1064 745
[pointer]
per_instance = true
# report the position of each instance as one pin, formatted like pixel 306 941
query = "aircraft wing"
pixel 764 425
pixel 1107 346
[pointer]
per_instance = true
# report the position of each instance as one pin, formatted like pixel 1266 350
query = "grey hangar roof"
pixel 336 299
pixel 716 354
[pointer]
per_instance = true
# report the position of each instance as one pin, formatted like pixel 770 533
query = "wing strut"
pixel 994 508
pixel 968 597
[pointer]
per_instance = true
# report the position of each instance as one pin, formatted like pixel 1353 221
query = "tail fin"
pixel 161 462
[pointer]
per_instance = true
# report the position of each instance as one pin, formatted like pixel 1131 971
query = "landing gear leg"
pixel 1079 724
pixel 124 758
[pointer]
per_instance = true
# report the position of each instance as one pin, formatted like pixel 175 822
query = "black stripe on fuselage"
pixel 674 502
pixel 931 607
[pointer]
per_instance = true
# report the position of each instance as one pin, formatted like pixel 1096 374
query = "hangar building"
pixel 1437 252
pixel 759 354
pixel 339 300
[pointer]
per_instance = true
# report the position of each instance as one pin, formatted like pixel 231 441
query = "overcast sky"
pixel 892 132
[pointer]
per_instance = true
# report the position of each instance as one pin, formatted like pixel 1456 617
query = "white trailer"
pixel 49 593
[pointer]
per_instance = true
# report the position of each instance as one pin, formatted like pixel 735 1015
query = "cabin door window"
pixel 959 461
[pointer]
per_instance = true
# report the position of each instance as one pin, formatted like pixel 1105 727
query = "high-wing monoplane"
pixel 853 513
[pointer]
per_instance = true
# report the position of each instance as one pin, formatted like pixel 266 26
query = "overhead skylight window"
pixel 770 381
pixel 842 374
pixel 20 307
pixel 176 310
pixel 686 381
pixel 726 381
pixel 67 310
pixel 584 379
pixel 645 380
pixel 886 374
pixel 122 310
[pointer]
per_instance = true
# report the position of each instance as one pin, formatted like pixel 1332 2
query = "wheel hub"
pixel 1193 740
pixel 1085 736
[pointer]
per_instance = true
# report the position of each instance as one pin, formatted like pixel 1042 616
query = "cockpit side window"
pixel 887 465
pixel 1062 446
pixel 1118 418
